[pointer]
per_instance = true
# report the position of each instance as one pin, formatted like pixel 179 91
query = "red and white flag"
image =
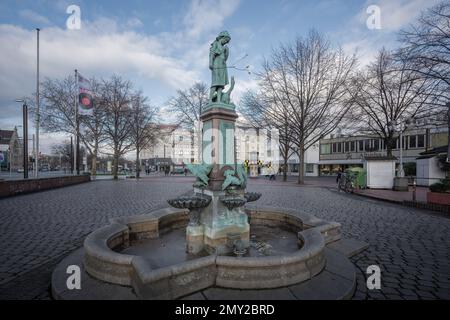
pixel 85 97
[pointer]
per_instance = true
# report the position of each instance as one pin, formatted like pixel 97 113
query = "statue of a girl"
pixel 218 55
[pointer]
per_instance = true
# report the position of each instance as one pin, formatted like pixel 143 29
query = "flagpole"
pixel 76 124
pixel 36 172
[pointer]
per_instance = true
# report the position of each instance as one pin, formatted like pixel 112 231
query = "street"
pixel 411 246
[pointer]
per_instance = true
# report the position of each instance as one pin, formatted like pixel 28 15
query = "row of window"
pixel 371 145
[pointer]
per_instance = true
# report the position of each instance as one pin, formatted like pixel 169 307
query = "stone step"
pixel 336 282
pixel 348 246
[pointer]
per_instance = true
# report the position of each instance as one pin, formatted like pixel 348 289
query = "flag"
pixel 85 97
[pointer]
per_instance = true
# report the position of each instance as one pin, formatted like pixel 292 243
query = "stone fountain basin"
pixel 103 258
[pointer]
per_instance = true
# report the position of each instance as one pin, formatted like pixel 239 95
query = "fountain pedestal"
pixel 218 223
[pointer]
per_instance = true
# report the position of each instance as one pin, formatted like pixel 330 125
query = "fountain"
pixel 215 237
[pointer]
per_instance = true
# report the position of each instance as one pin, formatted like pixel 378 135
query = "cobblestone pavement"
pixel 411 246
pixel 39 229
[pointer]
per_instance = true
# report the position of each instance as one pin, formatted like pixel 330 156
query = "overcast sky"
pixel 163 45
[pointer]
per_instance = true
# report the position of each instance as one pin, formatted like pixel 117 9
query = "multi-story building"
pixel 341 152
pixel 256 147
pixel 175 146
pixel 11 150
pixel 260 147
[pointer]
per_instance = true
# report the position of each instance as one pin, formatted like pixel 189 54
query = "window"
pixel 352 146
pixel 367 145
pixel 376 145
pixel 412 141
pixel 421 141
pixel 180 138
pixel 309 168
pixel 361 145
pixel 334 147
pixel 339 147
pixel 347 146
pixel 325 148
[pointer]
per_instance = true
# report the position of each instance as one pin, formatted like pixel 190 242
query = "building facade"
pixel 176 146
pixel 257 148
pixel 342 152
pixel 11 150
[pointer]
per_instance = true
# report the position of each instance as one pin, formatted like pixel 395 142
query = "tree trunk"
pixel 285 167
pixel 116 164
pixel 94 162
pixel 138 164
pixel 301 169
pixel 390 145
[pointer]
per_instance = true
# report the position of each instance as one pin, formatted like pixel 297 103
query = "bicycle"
pixel 346 183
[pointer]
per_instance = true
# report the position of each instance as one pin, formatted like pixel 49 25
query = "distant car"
pixel 20 170
pixel 177 171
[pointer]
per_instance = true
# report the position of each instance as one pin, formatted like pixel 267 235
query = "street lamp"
pixel 25 137
pixel 400 125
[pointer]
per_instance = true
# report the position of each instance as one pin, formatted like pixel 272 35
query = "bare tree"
pixel 264 112
pixel 59 98
pixel 187 106
pixel 63 151
pixel 92 127
pixel 144 129
pixel 427 43
pixel 388 92
pixel 308 80
pixel 116 106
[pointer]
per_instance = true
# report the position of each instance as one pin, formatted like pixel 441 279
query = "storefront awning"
pixel 350 161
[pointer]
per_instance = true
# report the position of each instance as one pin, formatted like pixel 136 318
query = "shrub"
pixel 409 168
pixel 441 186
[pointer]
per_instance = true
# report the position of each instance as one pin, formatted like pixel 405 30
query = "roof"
pixel 5 136
pixel 380 158
pixel 435 151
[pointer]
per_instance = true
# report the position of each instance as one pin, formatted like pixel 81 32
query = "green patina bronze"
pixel 235 178
pixel 201 171
pixel 218 56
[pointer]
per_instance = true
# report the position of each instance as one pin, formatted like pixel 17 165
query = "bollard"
pixel 414 191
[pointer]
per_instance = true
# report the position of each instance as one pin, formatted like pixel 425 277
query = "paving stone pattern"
pixel 411 246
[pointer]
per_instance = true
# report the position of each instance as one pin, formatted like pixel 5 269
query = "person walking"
pixel 339 178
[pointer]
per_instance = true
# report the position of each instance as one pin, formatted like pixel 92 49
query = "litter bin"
pixel 360 177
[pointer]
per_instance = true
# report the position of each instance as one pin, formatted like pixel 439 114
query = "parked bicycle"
pixel 346 183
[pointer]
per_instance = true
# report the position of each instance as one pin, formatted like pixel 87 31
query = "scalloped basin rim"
pixel 103 263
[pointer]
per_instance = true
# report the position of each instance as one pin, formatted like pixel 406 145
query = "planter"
pixel 401 184
pixel 438 198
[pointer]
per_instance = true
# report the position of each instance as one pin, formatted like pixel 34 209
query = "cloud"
pixel 161 63
pixel 99 49
pixel 32 16
pixel 206 15
pixel 134 23
pixel 396 15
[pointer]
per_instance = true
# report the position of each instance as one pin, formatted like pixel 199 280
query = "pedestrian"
pixel 272 174
pixel 339 176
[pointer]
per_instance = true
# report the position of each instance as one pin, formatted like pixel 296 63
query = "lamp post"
pixel 448 133
pixel 36 160
pixel 25 137
pixel 400 125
